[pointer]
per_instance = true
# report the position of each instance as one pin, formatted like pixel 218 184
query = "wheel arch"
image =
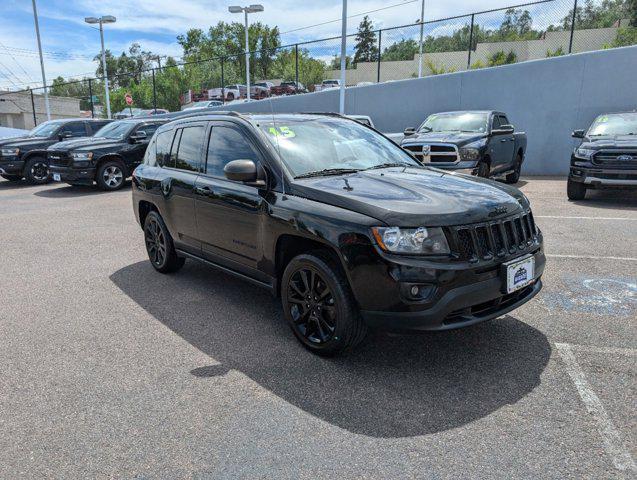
pixel 143 209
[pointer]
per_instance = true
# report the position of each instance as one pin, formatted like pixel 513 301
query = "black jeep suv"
pixel 607 156
pixel 108 158
pixel 25 157
pixel 348 228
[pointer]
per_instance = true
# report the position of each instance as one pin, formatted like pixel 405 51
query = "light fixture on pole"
pixel 251 9
pixel 341 100
pixel 422 26
pixel 102 20
pixel 37 34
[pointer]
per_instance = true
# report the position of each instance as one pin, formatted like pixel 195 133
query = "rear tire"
pixel 12 178
pixel 319 305
pixel 515 176
pixel 110 176
pixel 36 171
pixel 575 190
pixel 159 245
pixel 483 170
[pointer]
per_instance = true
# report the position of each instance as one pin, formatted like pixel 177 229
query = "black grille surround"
pixel 611 158
pixel 496 239
pixel 437 152
pixel 58 158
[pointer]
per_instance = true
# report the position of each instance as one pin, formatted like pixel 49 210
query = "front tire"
pixel 515 176
pixel 36 171
pixel 319 306
pixel 159 245
pixel 575 190
pixel 110 176
pixel 12 178
pixel 483 170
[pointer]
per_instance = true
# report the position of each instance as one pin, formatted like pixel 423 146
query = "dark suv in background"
pixel 108 158
pixel 606 157
pixel 348 228
pixel 25 157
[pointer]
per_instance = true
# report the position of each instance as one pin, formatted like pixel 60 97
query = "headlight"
pixel 585 153
pixel 471 152
pixel 418 241
pixel 82 156
pixel 10 152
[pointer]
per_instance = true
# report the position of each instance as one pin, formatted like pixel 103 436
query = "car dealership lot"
pixel 113 370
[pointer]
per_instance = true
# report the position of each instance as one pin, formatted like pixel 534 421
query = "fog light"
pixel 414 291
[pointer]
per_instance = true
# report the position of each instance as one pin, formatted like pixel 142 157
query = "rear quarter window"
pixel 163 142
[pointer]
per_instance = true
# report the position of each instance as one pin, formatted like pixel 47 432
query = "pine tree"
pixel 366 49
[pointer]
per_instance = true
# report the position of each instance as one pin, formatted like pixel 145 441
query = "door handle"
pixel 203 190
pixel 504 140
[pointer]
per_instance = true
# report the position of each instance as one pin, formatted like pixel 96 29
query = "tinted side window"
pixel 227 144
pixel 496 122
pixel 149 129
pixel 150 157
pixel 162 150
pixel 188 154
pixel 504 120
pixel 95 126
pixel 76 129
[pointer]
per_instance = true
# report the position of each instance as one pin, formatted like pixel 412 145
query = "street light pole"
pixel 341 100
pixel 37 34
pixel 106 93
pixel 250 9
pixel 422 26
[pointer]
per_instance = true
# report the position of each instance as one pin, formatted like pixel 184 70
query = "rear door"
pixel 177 179
pixel 229 212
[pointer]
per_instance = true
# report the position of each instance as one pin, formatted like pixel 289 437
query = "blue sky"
pixel 156 23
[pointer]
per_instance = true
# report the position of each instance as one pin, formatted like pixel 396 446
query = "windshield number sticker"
pixel 285 132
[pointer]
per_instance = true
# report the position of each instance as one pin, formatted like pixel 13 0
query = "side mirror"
pixel 409 131
pixel 138 136
pixel 64 135
pixel 577 134
pixel 503 130
pixel 242 171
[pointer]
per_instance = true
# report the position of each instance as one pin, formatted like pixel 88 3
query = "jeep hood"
pixel 411 197
pixel 86 143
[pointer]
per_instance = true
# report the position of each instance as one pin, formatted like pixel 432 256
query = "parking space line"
pixel 585 218
pixel 615 448
pixel 591 257
pixel 631 352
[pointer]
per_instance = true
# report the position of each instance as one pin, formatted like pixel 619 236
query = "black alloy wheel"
pixel 311 306
pixel 159 245
pixel 37 171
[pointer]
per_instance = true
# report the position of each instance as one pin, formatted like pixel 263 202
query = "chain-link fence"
pixel 484 39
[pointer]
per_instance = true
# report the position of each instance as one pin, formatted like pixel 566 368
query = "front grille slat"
pixel 611 158
pixel 496 238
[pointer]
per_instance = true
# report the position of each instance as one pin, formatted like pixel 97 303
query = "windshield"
pixel 313 144
pixel 115 130
pixel 615 124
pixel 46 129
pixel 456 122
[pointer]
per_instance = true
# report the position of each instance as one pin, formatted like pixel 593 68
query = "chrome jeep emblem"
pixel 498 211
pixel 426 149
pixel 625 158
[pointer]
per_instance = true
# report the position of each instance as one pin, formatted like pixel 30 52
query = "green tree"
pixel 405 49
pixel 556 53
pixel 365 48
pixel 502 58
pixel 335 64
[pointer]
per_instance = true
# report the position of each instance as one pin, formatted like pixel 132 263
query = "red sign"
pixel 129 99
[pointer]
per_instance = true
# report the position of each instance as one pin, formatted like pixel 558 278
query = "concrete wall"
pixel 16 110
pixel 546 98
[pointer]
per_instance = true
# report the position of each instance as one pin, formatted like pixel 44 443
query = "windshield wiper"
pixel 387 165
pixel 328 171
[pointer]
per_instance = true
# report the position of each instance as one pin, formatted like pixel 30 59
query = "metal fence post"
pixel 35 118
pixel 470 41
pixel 223 88
pixel 90 96
pixel 154 92
pixel 296 63
pixel 570 43
pixel 380 36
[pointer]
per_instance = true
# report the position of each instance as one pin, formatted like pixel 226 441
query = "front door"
pixel 503 146
pixel 228 212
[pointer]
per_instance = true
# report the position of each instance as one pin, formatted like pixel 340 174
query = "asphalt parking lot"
pixel 112 370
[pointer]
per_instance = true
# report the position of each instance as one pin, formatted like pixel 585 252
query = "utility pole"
pixel 341 103
pixel 37 34
pixel 422 26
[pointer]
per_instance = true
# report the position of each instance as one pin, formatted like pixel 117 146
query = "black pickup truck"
pixel 108 158
pixel 607 156
pixel 348 228
pixel 25 157
pixel 482 143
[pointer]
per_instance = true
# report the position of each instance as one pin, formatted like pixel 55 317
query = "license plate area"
pixel 57 177
pixel 518 273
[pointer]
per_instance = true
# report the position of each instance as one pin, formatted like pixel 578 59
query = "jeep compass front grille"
pixel 499 238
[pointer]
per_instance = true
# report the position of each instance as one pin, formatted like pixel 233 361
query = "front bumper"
pixel 458 297
pixel 83 176
pixel 11 166
pixel 597 177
